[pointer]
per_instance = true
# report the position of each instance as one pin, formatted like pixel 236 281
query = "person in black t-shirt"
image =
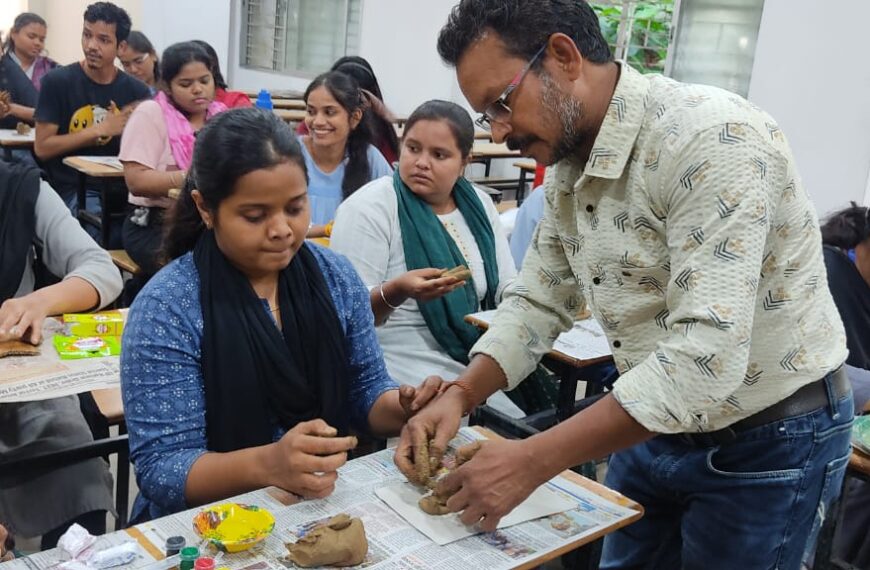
pixel 84 106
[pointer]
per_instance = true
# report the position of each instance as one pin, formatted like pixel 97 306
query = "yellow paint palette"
pixel 234 527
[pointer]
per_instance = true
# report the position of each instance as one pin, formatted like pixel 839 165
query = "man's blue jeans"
pixel 751 504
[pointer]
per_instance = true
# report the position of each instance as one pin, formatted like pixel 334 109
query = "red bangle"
pixel 468 395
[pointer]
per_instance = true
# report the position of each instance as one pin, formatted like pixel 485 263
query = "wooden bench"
pixel 122 261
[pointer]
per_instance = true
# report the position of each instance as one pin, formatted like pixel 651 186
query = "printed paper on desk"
pixel 403 498
pixel 111 161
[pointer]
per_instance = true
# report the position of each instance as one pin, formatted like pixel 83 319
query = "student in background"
pixel 232 99
pixel 401 231
pixel 846 238
pixel 529 214
pixel 32 215
pixel 84 106
pixel 384 136
pixel 22 67
pixel 22 100
pixel 139 59
pixel 338 151
pixel 25 45
pixel 157 147
pixel 266 340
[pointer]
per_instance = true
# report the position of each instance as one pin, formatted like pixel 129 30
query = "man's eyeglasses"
pixel 498 110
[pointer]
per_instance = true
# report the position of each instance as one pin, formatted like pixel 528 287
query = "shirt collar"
pixel 29 71
pixel 621 125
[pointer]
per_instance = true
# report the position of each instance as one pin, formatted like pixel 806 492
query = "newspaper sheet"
pixel 393 543
pixel 111 161
pixel 46 376
pixel 586 339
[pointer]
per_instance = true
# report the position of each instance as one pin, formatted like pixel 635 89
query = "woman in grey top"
pixel 33 216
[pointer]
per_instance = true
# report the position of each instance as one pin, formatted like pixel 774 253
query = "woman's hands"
pixel 306 459
pixel 426 284
pixel 21 318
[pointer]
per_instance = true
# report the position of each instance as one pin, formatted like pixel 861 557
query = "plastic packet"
pixel 70 347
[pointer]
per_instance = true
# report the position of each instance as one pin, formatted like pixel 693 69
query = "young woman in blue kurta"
pixel 338 148
pixel 251 345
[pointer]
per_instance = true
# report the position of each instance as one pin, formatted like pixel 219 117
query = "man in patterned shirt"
pixel 677 213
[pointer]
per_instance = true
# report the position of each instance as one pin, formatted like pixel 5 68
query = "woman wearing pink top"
pixel 157 147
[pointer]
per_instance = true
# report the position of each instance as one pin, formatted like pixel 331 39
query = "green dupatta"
pixel 427 244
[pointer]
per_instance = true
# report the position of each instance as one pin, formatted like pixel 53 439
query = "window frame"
pixel 280 42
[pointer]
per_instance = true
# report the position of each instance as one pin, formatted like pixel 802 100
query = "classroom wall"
pixel 166 22
pixel 809 74
pixel 397 37
pixel 8 10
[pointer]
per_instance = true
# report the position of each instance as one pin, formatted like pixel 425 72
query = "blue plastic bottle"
pixel 264 100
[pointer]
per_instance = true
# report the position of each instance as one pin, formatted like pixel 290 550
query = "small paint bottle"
pixel 188 558
pixel 204 563
pixel 174 544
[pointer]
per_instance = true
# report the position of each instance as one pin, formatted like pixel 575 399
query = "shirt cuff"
pixel 515 359
pixel 653 400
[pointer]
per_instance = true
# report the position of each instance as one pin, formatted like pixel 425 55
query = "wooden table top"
pixel 94 169
pixel 287 104
pixel 11 138
pixel 291 115
pixel 484 149
pixel 527 165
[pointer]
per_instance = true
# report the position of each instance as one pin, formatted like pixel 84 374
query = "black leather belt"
pixel 807 399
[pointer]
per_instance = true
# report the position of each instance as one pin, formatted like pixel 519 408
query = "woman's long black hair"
pixel 232 144
pixel 346 91
pixel 381 125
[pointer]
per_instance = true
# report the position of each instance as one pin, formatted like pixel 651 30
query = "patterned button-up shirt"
pixel 690 236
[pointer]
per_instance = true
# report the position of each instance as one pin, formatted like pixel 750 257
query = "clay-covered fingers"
pixel 466 452
pixel 403 457
pixel 412 453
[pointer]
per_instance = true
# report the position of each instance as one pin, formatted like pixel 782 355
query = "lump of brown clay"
pixel 341 541
pixel 460 273
pixel 432 504
pixel 436 504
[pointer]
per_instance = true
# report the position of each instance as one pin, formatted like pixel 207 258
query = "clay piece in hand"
pixel 435 503
pixel 340 542
pixel 460 273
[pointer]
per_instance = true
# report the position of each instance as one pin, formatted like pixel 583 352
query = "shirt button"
pixel 616 344
pixel 596 280
pixel 589 207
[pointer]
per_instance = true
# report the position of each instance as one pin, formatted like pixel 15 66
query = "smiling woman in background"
pixel 338 149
